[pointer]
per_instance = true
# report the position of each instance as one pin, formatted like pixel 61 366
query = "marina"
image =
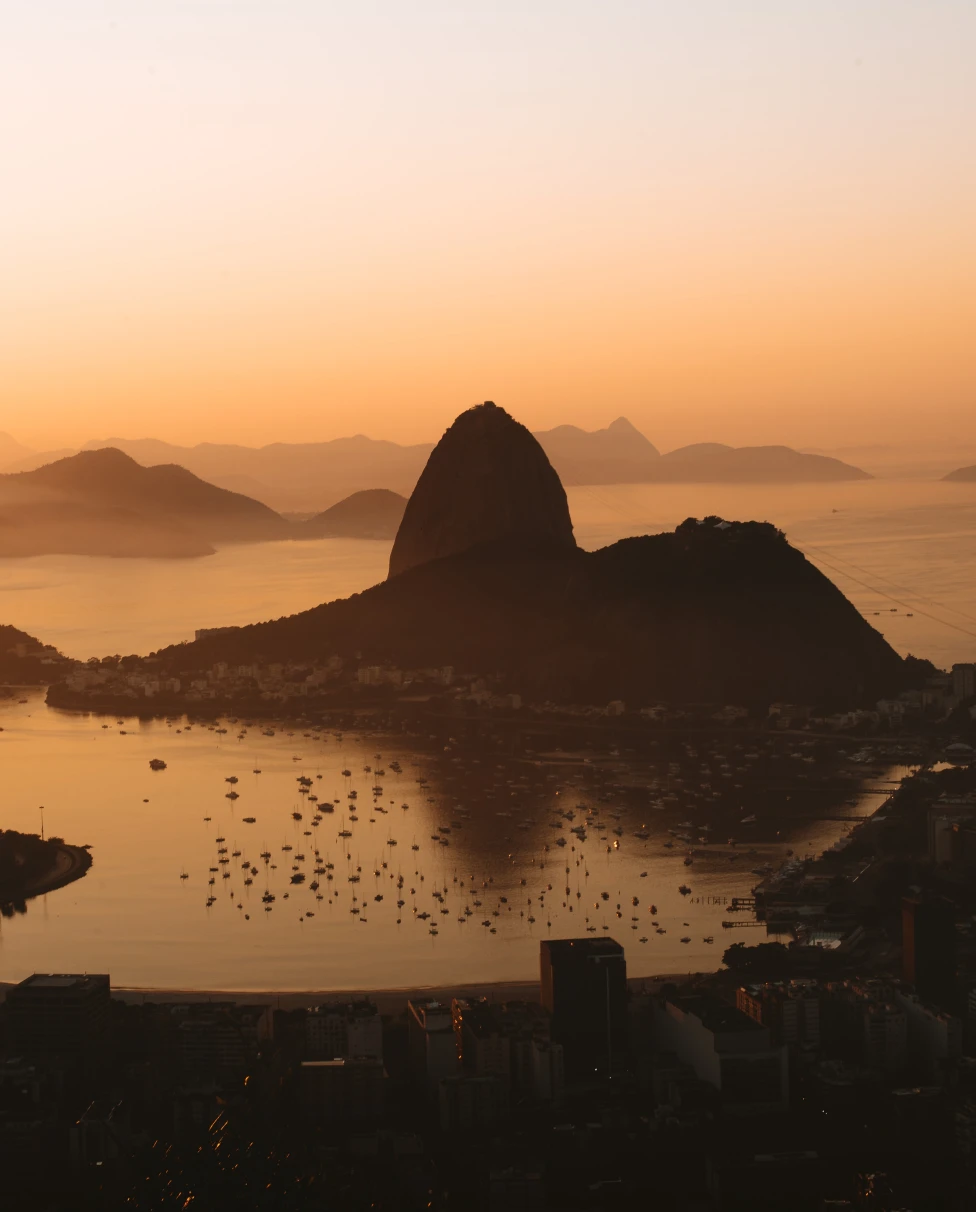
pixel 373 860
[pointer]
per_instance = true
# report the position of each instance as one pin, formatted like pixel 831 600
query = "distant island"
pixel 374 513
pixel 486 577
pixel 302 477
pixel 962 475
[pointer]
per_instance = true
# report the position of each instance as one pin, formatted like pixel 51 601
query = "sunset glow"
pixel 293 221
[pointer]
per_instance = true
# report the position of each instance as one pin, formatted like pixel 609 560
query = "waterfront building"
pixel 584 989
pixel 61 1017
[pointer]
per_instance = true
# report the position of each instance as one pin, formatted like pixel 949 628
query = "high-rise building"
pixel 790 1009
pixel 468 1103
pixel 726 1048
pixel 964 680
pixel 63 1017
pixel 584 988
pixel 928 948
pixel 431 1042
pixel 344 1091
pixel 885 1036
pixel 510 1041
pixel 344 1029
pixel 220 1040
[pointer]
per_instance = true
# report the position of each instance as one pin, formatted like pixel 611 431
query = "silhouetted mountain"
pixel 708 614
pixel 374 513
pixel 105 503
pixel 11 451
pixel 487 481
pixel 711 462
pixel 619 454
pixel 291 476
pixel 715 611
pixel 962 475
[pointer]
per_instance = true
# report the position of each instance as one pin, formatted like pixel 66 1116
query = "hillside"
pixel 25 661
pixel 372 514
pixel 698 614
pixel 105 503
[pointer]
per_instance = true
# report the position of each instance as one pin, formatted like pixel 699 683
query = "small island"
pixel 31 866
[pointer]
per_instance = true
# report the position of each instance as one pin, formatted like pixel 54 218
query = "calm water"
pixel 134 916
pixel 879 540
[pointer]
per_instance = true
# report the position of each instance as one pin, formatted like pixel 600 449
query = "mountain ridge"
pixel 103 502
pixel 314 475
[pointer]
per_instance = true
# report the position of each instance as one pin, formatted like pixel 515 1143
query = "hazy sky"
pixel 742 220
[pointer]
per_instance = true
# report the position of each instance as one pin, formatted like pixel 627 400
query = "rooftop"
pixel 582 946
pixel 42 980
pixel 715 1015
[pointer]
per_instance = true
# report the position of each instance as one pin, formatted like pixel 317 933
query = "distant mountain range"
pixel 311 476
pixel 485 575
pixel 102 502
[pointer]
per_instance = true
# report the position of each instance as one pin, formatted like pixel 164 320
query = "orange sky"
pixel 282 221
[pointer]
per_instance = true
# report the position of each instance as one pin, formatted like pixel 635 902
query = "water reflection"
pixel 369 861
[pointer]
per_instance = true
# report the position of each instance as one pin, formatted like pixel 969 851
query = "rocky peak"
pixel 487 481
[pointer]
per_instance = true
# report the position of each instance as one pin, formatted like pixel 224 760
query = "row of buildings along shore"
pixel 144 682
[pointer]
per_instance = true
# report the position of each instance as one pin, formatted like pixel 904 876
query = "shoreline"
pixel 71 864
pixel 388 1001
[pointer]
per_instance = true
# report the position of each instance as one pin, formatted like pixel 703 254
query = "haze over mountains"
pixel 489 579
pixel 102 502
pixel 306 477
pixel 962 475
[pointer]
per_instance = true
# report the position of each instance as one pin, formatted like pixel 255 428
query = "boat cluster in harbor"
pixel 567 843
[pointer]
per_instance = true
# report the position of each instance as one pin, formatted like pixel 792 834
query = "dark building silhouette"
pixel 584 988
pixel 928 946
pixel 64 1018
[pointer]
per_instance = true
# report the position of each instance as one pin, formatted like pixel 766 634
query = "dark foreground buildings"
pixel 811 1094
pixel 584 988
pixel 928 947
